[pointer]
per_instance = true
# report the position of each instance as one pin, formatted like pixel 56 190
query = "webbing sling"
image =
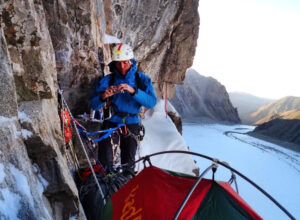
pixel 107 132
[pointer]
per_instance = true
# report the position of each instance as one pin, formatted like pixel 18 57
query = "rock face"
pixel 44 43
pixel 76 29
pixel 281 129
pixel 31 140
pixel 23 178
pixel 201 96
pixel 163 34
pixel 289 115
pixel 278 106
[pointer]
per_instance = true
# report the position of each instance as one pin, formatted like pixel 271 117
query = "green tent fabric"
pixel 218 204
pixel 157 194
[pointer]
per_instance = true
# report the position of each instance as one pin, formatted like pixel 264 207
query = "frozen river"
pixel 273 168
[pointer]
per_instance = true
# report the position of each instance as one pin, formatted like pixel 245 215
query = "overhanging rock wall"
pixel 163 34
pixel 46 43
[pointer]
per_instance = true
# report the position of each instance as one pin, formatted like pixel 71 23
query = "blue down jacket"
pixel 125 102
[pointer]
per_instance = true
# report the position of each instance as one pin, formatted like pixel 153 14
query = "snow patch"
pixel 12 120
pixel 21 183
pixel 35 168
pixel 44 182
pixel 5 119
pixel 16 133
pixel 2 173
pixel 10 205
pixel 26 133
pixel 162 135
pixel 171 108
pixel 109 39
pixel 41 185
pixel 23 117
pixel 73 218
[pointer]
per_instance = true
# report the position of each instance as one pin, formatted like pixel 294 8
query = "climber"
pixel 124 91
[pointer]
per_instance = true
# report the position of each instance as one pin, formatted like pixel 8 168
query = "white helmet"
pixel 122 52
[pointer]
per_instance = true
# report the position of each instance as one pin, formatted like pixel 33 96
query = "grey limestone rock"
pixel 163 34
pixel 201 96
pixel 8 101
pixel 44 43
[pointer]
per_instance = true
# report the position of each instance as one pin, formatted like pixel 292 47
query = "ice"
pixel 21 183
pixel 9 204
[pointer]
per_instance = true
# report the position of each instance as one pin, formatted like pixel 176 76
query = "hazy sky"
pixel 251 46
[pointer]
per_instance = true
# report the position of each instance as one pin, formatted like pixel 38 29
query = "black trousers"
pixel 127 143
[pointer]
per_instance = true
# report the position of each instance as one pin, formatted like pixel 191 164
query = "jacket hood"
pixel 130 72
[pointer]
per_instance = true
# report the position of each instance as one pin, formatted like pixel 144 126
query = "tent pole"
pixel 228 167
pixel 192 190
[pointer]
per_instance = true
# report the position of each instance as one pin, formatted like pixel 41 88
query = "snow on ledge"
pixel 5 119
pixel 171 108
pixel 23 117
pixel 109 39
pixel 26 133
pixel 162 135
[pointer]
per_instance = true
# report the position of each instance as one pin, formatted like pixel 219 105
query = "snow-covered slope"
pixel 162 135
pixel 274 168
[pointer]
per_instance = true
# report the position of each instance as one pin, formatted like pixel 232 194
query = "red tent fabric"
pixel 157 194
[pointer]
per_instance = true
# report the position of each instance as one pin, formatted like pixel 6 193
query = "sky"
pixel 251 46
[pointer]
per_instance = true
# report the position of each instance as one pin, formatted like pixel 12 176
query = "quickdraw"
pixel 64 104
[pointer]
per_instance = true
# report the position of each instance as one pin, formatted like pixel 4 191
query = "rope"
pixel 192 190
pixel 83 148
pixel 73 155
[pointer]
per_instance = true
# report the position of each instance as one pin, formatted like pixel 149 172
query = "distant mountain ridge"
pixel 289 115
pixel 287 130
pixel 283 126
pixel 201 96
pixel 278 106
pixel 247 104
